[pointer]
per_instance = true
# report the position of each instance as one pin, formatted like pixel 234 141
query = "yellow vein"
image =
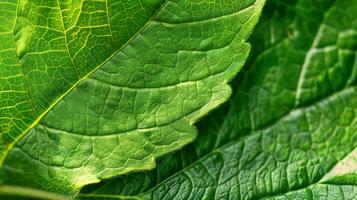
pixel 22 70
pixel 65 38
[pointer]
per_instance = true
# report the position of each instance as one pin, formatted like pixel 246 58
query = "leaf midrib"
pixel 38 119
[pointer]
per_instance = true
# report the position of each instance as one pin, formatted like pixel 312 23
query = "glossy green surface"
pixel 94 89
pixel 290 131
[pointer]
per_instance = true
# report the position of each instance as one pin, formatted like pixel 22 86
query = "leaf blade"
pixel 134 111
pixel 278 146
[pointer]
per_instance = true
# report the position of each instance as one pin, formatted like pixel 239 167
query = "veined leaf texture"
pixel 94 89
pixel 289 132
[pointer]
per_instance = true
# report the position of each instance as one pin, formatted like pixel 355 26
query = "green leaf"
pixel 94 89
pixel 49 47
pixel 20 193
pixel 290 130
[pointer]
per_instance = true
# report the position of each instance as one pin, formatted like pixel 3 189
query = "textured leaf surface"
pixel 47 47
pixel 290 130
pixel 94 89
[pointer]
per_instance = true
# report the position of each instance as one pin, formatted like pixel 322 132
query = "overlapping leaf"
pixel 94 89
pixel 290 130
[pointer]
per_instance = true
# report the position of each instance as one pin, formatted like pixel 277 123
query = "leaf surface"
pixel 95 89
pixel 290 130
